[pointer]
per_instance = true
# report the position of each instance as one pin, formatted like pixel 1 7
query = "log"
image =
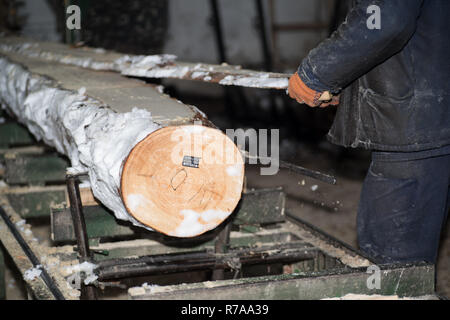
pixel 154 66
pixel 115 129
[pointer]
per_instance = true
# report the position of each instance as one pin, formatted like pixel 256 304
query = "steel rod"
pixel 176 263
pixel 309 173
pixel 221 246
pixel 142 269
pixel 89 292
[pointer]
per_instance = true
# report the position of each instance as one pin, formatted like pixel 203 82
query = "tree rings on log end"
pixel 183 181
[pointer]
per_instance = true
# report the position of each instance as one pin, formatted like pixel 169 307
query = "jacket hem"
pixel 390 148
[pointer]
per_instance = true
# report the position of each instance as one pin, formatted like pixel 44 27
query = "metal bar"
pixel 309 173
pixel 300 26
pixel 79 225
pixel 141 267
pixel 221 246
pixel 196 255
pixel 263 35
pixel 403 281
pixel 32 257
pixel 218 31
pixel 329 238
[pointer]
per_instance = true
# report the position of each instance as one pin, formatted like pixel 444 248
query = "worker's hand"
pixel 299 91
pixel 335 100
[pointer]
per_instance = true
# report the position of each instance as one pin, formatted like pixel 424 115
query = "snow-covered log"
pixel 154 66
pixel 102 120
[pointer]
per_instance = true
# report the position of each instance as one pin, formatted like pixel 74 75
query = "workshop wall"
pixel 191 34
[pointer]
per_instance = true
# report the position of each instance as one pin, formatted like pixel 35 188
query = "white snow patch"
pixel 87 268
pixel 213 215
pixel 193 129
pixel 191 225
pixel 20 223
pixel 149 287
pixel 32 273
pixel 315 187
pixel 85 184
pixel 134 201
pixel 235 170
pixel 198 74
pixel 256 81
pixel 160 89
pixel 82 91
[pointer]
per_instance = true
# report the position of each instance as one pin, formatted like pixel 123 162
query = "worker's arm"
pixel 354 49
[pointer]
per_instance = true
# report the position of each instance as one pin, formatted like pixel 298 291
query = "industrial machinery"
pixel 260 252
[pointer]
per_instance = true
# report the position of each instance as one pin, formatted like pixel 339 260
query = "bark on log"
pixel 100 119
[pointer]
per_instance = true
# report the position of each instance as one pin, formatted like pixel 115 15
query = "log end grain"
pixel 183 181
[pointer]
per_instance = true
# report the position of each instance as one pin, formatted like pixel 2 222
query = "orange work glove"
pixel 300 92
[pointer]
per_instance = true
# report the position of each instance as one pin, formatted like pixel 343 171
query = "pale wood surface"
pixel 119 93
pixel 176 199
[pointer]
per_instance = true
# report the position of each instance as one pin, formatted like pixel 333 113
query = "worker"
pixel 390 75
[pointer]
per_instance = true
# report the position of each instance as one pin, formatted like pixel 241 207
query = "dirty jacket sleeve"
pixel 354 49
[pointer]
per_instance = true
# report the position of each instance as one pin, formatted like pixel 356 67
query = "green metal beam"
pixel 27 169
pixel 12 134
pixel 99 224
pixel 35 202
pixel 259 207
pixel 403 281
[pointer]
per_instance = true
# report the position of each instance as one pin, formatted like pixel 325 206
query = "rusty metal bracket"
pixel 88 292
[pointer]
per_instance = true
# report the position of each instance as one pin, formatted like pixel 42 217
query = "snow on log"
pixel 154 66
pixel 102 120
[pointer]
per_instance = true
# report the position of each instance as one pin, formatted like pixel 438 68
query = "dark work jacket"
pixel 395 81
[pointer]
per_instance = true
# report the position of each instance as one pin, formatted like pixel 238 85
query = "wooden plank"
pixel 403 281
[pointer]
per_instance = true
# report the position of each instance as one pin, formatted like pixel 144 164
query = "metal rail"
pixel 201 260
pixel 32 257
pixel 79 225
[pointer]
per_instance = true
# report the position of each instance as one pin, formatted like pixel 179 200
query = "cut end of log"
pixel 183 181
